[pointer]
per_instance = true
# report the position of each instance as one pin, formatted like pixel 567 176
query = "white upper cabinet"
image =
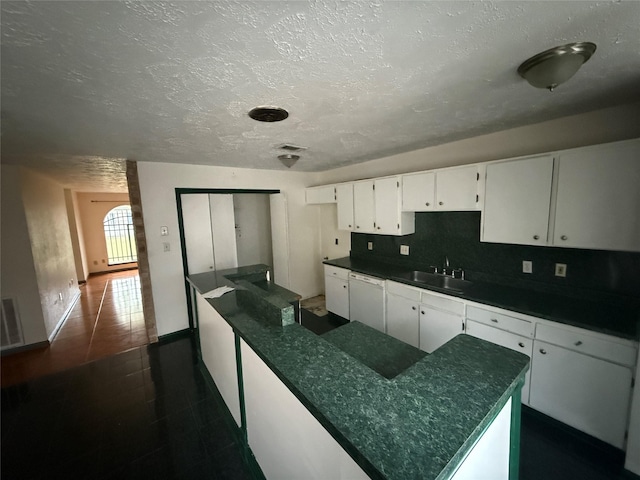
pixel 322 194
pixel 517 201
pixel 363 206
pixel 389 218
pixel 344 198
pixel 457 189
pixel 598 199
pixel 419 192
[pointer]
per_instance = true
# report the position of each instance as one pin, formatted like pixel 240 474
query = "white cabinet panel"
pixel 198 239
pixel 363 206
pixel 500 320
pixel 505 339
pixel 587 393
pixel 337 295
pixel 598 201
pixel 217 343
pixel 403 319
pixel 419 192
pixel 286 439
pixel 457 189
pixel 323 194
pixel 387 206
pixel 344 198
pixel 517 201
pixel 437 328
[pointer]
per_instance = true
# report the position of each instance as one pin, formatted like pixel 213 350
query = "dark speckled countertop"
pixel 619 319
pixel 418 425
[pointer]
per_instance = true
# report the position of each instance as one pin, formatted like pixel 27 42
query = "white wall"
pixel 93 207
pixel 18 271
pixel 74 230
pixel 157 187
pixel 600 126
pixel 253 231
pixel 46 214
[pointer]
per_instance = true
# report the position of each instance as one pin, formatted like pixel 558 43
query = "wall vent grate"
pixel 11 332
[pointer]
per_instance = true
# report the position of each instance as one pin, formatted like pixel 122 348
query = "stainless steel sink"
pixel 439 281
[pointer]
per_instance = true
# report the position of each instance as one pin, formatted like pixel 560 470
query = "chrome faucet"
pixel 445 268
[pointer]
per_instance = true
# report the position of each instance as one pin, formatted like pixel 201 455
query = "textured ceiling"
pixel 88 84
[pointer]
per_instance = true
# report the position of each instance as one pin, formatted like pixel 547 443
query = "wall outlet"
pixel 561 269
pixel 166 246
pixel 527 266
pixel 404 249
pixel 164 231
pixel 95 262
pixel 369 245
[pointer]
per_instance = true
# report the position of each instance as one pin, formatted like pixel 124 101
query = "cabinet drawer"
pixel 331 271
pixel 584 342
pixel 499 320
pixel 403 291
pixel 443 303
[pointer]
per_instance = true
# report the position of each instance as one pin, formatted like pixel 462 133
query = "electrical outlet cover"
pixel 369 245
pixel 527 266
pixel 404 249
pixel 561 269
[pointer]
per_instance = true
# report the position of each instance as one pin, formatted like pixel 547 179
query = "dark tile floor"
pixel 149 414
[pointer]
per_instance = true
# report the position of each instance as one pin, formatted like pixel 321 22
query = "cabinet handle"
pixel 378 228
pixel 357 226
pixel 422 312
pixel 349 226
pixel 536 237
pixel 578 343
pixel 427 204
pixel 563 237
pixel 494 320
pixel 440 203
pixel 520 344
pixel 543 351
pixel 413 308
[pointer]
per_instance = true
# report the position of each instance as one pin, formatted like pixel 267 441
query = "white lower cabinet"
pixel 504 339
pixel 336 290
pixel 440 320
pixel 585 392
pixel 403 319
pixel 286 439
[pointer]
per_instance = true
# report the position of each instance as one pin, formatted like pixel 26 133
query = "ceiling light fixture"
pixel 288 160
pixel 268 114
pixel 556 65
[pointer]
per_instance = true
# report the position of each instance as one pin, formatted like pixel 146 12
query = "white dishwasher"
pixel 366 300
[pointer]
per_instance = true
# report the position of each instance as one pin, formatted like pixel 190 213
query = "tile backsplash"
pixel 457 236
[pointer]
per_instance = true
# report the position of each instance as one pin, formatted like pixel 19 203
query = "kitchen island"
pixel 334 406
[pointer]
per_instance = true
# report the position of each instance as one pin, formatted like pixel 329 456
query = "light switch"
pixel 164 231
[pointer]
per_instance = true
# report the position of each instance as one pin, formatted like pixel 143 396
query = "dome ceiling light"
pixel 556 65
pixel 268 114
pixel 288 160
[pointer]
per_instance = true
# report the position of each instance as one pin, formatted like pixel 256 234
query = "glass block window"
pixel 120 237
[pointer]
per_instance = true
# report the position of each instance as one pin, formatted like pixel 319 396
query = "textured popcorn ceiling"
pixel 86 85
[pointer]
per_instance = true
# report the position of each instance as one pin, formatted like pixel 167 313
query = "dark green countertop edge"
pixel 624 319
pixel 315 371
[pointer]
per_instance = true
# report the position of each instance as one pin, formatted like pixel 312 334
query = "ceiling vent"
pixel 291 148
pixel 268 114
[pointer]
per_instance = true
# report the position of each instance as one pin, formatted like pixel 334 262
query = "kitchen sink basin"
pixel 438 281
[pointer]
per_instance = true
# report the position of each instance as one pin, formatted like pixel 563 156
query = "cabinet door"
pixel 363 207
pixel 437 328
pixel 344 197
pixel 598 201
pixel 457 189
pixel 403 319
pixel 419 192
pixel 337 296
pixel 504 339
pixel 387 205
pixel 324 194
pixel 517 200
pixel 587 393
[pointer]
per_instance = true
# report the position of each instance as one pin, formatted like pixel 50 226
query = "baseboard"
pixel 25 348
pixel 173 336
pixel 64 317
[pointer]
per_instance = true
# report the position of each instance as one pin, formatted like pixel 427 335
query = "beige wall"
pixel 157 186
pixel 92 208
pixel 46 214
pixel 18 270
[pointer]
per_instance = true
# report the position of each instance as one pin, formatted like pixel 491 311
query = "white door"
pixel 598 202
pixel 587 393
pixel 344 198
pixel 196 220
pixel 387 205
pixel 363 206
pixel 337 295
pixel 280 239
pixel 517 200
pixel 403 319
pixel 223 231
pixel 457 189
pixel 418 192
pixel 437 328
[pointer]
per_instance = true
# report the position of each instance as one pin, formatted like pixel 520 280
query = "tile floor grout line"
pixel 95 325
